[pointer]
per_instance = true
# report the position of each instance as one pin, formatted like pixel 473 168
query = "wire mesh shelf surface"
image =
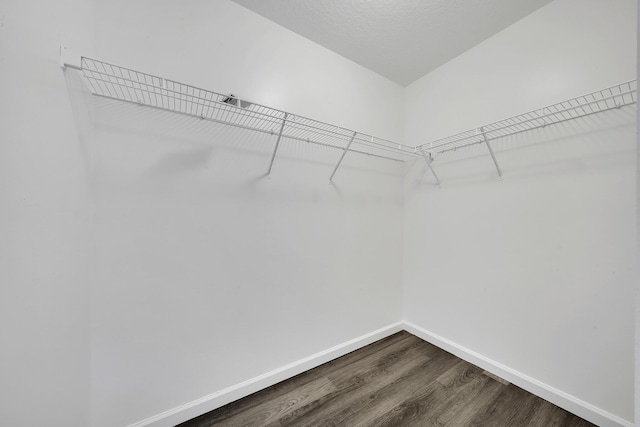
pixel 124 84
pixel 602 100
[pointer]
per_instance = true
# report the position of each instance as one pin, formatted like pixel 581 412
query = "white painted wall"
pixel 536 272
pixel 207 273
pixel 44 218
pixel 637 348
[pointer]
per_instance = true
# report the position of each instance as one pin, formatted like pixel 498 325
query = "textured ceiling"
pixel 400 39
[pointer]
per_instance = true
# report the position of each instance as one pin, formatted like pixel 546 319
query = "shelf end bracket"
pixel 69 59
pixel 342 157
pixel 493 156
pixel 275 149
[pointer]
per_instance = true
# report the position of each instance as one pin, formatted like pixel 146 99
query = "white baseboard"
pixel 220 398
pixel 557 397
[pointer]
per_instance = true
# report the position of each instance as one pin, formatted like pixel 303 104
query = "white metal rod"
pixel 403 149
pixel 495 162
pixel 275 150
pixel 433 172
pixel 342 157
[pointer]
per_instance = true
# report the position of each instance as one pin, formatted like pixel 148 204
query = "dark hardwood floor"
pixel 398 381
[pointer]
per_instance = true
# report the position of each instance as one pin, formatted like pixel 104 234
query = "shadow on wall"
pixel 182 161
pixel 162 152
pixel 82 109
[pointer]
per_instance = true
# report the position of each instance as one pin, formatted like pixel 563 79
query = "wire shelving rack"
pixel 610 98
pixel 124 84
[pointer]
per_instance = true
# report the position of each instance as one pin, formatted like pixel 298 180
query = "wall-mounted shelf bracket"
pixel 69 59
pixel 275 149
pixel 342 156
pixel 493 157
pixel 428 159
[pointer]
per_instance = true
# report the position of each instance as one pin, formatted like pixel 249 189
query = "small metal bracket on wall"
pixel 493 157
pixel 428 159
pixel 69 60
pixel 275 149
pixel 342 157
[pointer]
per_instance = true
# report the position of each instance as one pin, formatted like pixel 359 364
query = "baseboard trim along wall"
pixel 557 397
pixel 220 398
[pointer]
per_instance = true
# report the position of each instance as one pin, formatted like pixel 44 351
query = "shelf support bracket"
pixel 69 59
pixel 342 157
pixel 493 156
pixel 275 149
pixel 428 160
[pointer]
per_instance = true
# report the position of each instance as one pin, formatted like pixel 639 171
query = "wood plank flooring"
pixel 398 381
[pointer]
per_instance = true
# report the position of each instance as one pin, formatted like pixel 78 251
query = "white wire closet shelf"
pixel 124 84
pixel 616 96
pixel 613 97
